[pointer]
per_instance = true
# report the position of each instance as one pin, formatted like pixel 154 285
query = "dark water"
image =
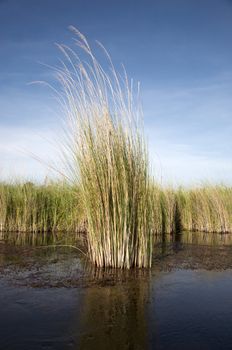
pixel 51 298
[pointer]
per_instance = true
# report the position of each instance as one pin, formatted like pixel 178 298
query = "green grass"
pixel 26 207
pixel 206 209
pixel 58 207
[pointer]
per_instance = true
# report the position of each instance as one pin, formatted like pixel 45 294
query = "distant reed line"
pixel 58 207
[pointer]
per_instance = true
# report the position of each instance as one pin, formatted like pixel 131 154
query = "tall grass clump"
pixel 107 157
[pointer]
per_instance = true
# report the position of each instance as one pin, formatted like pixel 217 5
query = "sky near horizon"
pixel 180 51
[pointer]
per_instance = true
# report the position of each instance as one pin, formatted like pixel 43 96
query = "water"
pixel 51 298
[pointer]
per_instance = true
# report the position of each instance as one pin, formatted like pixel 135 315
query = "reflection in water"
pixel 202 238
pixel 43 238
pixel 183 302
pixel 199 238
pixel 115 316
pixel 186 237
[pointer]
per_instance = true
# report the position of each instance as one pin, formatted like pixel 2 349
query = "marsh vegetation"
pixel 109 193
pixel 58 207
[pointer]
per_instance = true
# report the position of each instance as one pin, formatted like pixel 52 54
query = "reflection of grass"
pixel 115 318
pixel 202 238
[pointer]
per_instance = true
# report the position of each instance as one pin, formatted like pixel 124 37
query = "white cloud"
pixel 19 149
pixel 188 129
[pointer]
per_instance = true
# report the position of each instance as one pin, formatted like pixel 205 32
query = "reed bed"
pixel 31 208
pixel 58 207
pixel 206 209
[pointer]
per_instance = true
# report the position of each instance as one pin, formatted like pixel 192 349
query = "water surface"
pixel 51 298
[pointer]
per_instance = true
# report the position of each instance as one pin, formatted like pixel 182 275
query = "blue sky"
pixel 180 51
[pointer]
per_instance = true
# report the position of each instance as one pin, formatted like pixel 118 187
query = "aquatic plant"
pixel 207 209
pixel 109 159
pixel 57 208
pixel 51 207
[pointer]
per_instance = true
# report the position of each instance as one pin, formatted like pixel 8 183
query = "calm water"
pixel 50 298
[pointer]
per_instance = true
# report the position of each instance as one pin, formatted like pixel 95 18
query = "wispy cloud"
pixel 189 131
pixel 21 150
